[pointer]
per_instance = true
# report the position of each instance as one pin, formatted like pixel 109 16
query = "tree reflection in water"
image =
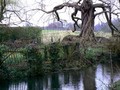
pixel 55 82
pixel 92 78
pixel 89 78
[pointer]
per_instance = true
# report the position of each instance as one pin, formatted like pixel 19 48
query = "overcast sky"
pixel 43 19
pixel 38 18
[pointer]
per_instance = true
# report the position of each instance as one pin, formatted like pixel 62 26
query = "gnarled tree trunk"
pixel 87 26
pixel 87 9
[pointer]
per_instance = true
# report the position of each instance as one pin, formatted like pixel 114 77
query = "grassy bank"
pixel 37 52
pixel 38 60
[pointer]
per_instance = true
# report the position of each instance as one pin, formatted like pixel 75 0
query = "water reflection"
pixel 89 79
pixel 18 86
pixel 4 86
pixel 55 85
pixel 34 84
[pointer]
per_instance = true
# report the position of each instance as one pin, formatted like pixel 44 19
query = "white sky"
pixel 38 18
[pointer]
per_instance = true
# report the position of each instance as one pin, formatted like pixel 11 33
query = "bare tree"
pixel 87 9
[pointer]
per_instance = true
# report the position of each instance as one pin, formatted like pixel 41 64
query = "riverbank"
pixel 37 60
pixel 27 56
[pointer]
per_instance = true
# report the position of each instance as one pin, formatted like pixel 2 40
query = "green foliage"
pixel 34 60
pixel 3 70
pixel 115 85
pixel 33 53
pixel 71 52
pixel 2 50
pixel 46 53
pixel 54 51
pixel 114 45
pixel 3 73
pixel 14 58
pixel 90 54
pixel 17 71
pixel 13 33
pixel 94 55
pixel 15 64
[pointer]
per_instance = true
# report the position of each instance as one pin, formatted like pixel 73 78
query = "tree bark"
pixel 87 26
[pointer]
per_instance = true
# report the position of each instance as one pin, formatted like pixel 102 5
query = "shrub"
pixel 114 45
pixel 13 33
pixel 3 69
pixel 54 54
pixel 2 50
pixel 34 60
pixel 54 51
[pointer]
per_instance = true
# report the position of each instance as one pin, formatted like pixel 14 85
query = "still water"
pixel 97 78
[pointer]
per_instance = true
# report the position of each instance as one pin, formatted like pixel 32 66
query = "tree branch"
pixel 61 6
pixel 111 25
pixel 100 13
pixel 57 16
pixel 100 6
pixel 73 16
pixel 79 2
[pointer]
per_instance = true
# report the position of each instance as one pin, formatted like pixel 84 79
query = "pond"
pixel 93 78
